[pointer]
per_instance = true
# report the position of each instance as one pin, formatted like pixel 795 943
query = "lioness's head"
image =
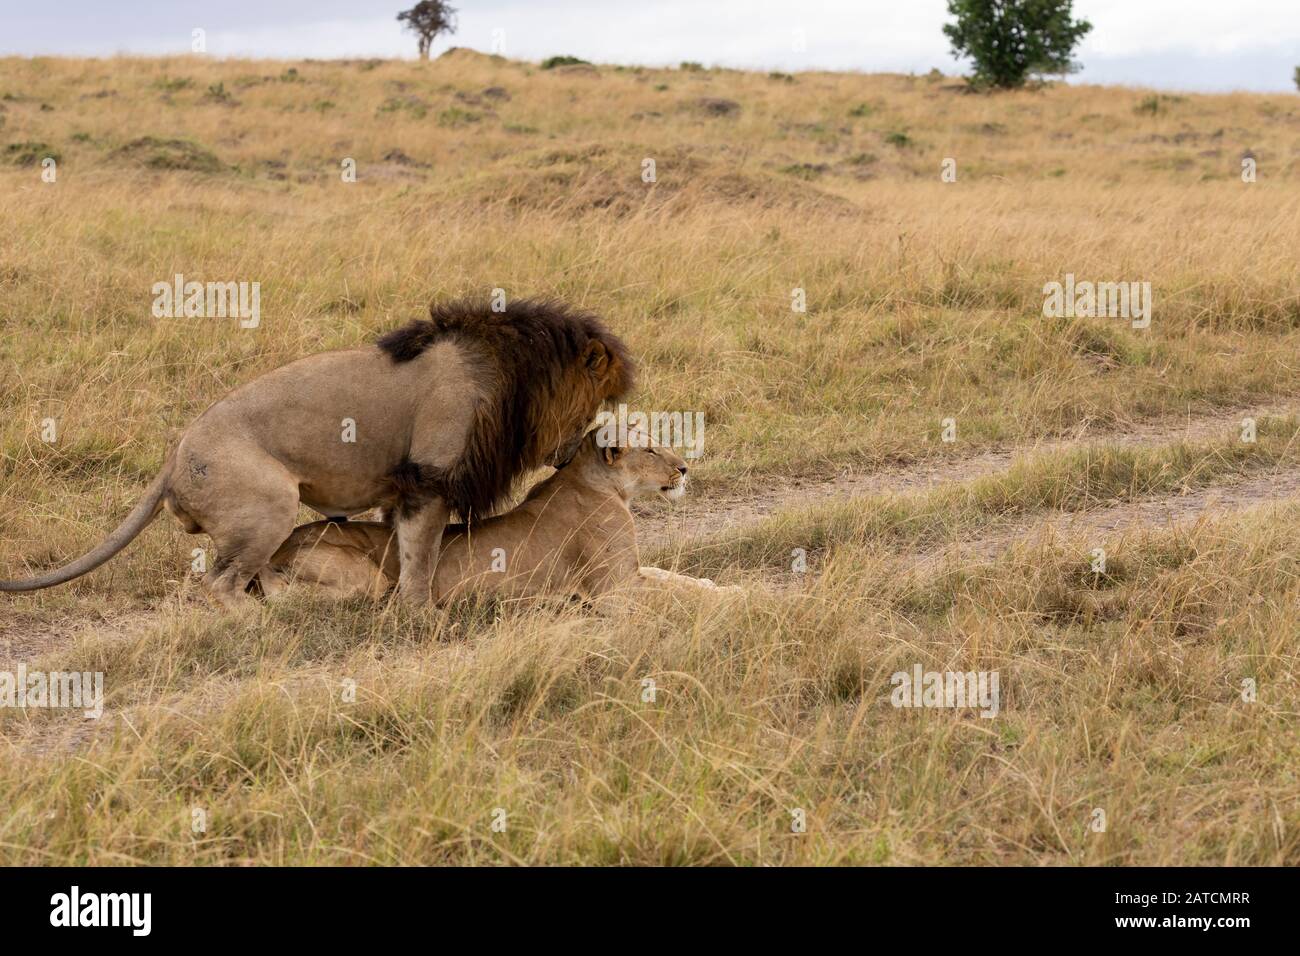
pixel 640 467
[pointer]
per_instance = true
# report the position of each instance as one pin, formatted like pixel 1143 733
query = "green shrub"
pixel 29 154
pixel 551 62
pixel 170 154
pixel 170 84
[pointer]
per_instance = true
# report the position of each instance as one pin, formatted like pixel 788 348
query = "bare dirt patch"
pixel 27 637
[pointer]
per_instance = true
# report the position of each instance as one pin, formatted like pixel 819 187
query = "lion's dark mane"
pixel 525 352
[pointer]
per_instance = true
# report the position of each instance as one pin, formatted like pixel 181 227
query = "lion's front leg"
pixel 419 539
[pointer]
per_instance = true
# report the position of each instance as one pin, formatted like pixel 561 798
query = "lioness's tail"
pixel 144 512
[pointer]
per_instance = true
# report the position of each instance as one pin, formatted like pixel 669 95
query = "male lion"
pixel 572 535
pixel 440 414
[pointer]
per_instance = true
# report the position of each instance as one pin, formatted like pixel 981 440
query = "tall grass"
pixel 1122 690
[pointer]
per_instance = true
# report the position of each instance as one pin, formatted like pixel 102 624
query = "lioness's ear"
pixel 597 357
pixel 612 453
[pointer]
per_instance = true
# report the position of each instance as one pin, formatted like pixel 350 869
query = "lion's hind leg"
pixel 246 538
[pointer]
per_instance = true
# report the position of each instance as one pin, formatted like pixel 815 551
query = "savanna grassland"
pixel 1122 685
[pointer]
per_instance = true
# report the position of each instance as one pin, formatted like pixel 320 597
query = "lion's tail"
pixel 144 512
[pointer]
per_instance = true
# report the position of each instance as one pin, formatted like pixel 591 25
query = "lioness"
pixel 572 535
pixel 440 414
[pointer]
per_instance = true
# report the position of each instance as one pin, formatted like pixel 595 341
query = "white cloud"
pixel 1126 28
pixel 324 40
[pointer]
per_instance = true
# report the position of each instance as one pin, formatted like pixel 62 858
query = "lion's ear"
pixel 597 358
pixel 612 453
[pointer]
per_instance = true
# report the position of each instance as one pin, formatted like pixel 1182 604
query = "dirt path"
pixel 659 524
pixel 1152 514
pixel 26 637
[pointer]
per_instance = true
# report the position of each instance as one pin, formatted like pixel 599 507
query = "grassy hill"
pixel 924 298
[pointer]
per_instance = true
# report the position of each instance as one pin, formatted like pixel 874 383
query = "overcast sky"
pixel 1176 44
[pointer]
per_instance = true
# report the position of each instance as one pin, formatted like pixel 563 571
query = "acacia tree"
pixel 1009 39
pixel 426 20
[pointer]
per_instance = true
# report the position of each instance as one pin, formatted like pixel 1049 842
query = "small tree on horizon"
pixel 426 20
pixel 1010 39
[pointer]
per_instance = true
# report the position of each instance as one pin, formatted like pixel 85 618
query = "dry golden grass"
pixel 1120 692
pixel 924 302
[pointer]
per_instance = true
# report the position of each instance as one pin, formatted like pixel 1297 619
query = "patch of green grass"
pixel 1157 103
pixel 30 153
pixel 805 170
pixel 413 106
pixel 455 116
pixel 173 84
pixel 217 93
